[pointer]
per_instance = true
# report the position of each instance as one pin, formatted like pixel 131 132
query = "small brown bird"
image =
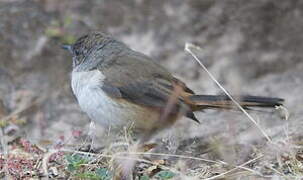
pixel 117 87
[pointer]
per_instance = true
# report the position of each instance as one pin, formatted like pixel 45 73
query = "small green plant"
pixel 144 177
pixel 103 174
pixel 164 175
pixel 75 162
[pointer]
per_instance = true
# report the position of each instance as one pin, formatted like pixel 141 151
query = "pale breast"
pixel 105 110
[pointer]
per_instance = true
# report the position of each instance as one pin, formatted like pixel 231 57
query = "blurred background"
pixel 251 47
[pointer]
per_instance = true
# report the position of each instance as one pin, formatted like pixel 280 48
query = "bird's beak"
pixel 67 47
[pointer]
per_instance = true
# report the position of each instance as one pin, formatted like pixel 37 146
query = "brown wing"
pixel 138 79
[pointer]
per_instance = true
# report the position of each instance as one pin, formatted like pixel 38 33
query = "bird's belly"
pixel 112 113
pixel 108 111
pixel 102 108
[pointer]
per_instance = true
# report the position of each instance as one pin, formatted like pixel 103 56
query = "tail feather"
pixel 223 101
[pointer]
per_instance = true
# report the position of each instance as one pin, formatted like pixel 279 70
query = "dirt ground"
pixel 251 47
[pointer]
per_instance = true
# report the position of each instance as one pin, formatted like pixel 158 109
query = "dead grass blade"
pixel 188 48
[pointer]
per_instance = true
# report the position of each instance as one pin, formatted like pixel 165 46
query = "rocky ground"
pixel 251 47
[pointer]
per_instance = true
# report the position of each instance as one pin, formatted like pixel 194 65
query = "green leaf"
pixel 103 174
pixel 69 158
pixel 144 177
pixel 165 175
pixel 75 161
pixel 71 167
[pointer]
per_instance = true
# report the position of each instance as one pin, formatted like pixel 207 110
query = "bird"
pixel 119 87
